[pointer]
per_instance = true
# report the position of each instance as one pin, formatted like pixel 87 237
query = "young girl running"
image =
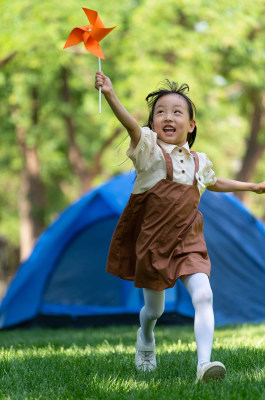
pixel 159 237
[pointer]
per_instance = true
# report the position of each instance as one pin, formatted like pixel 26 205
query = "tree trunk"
pixel 32 190
pixel 255 146
pixel 31 202
pixel 27 237
pixel 9 261
pixel 74 154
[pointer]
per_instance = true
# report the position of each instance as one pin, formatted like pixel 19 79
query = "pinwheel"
pixel 91 35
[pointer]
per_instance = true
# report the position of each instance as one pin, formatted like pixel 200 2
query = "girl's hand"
pixel 259 188
pixel 104 82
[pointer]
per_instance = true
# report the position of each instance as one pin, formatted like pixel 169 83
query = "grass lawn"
pixel 98 363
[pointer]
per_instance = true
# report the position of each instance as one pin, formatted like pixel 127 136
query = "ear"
pixel 152 125
pixel 192 125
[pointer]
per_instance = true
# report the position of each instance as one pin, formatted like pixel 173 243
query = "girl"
pixel 159 237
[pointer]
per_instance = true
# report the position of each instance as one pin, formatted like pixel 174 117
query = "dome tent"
pixel 64 277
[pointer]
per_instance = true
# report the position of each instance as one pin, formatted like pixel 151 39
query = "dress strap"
pixel 169 164
pixel 196 160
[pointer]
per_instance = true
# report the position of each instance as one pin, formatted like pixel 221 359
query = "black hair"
pixel 169 88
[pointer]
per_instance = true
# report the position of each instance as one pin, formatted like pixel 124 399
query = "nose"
pixel 168 116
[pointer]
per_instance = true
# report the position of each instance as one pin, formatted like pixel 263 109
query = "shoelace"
pixel 147 356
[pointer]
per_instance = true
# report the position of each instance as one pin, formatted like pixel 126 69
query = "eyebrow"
pixel 175 105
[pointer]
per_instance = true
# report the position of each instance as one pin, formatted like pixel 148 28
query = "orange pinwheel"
pixel 91 34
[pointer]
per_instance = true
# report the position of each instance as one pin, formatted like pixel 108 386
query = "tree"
pixel 52 135
pixel 43 98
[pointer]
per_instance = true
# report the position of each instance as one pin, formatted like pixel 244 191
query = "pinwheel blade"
pixel 75 37
pixel 94 48
pixel 99 33
pixel 93 17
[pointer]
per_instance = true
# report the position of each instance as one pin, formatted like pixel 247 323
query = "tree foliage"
pixel 50 127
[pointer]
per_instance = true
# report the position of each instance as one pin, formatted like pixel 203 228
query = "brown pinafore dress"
pixel 159 236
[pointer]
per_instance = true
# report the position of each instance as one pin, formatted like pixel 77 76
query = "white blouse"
pixel 150 165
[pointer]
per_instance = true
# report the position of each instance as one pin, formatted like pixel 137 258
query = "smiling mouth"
pixel 169 130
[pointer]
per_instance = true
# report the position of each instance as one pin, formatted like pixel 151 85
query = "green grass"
pixel 99 364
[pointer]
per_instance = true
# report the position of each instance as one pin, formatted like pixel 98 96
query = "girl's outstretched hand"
pixel 259 188
pixel 103 81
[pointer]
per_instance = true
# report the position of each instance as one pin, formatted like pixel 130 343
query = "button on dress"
pixel 159 236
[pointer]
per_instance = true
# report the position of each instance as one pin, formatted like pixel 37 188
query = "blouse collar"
pixel 170 147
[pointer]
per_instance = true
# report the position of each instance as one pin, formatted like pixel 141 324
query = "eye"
pixel 177 112
pixel 160 112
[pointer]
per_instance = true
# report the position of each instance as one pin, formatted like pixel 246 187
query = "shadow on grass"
pixel 89 336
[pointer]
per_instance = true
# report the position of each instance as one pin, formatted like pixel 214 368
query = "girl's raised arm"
pixel 229 185
pixel 119 110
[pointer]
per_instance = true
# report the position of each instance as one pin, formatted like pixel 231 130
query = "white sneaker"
pixel 210 370
pixel 145 357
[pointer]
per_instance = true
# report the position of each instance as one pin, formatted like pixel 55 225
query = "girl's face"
pixel 171 120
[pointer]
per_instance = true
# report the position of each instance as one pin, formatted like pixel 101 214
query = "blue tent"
pixel 65 274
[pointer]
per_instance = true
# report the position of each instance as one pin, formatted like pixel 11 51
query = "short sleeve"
pixel 146 147
pixel 205 176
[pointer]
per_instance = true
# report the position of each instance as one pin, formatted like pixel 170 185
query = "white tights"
pixel 199 288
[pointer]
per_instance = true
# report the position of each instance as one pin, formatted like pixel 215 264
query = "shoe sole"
pixel 214 372
pixel 139 369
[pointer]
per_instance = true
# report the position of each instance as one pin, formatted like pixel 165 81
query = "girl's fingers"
pixel 100 75
pixel 101 81
pixel 98 82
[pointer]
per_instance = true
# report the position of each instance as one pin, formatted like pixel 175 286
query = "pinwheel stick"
pixel 99 93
